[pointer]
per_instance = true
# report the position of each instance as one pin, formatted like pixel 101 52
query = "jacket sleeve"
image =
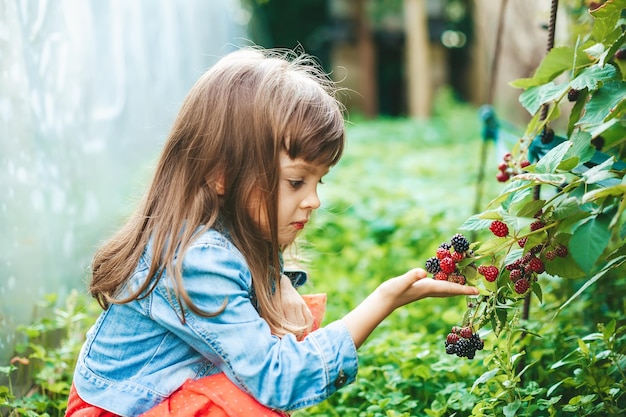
pixel 281 373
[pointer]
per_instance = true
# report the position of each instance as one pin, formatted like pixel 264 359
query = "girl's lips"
pixel 298 225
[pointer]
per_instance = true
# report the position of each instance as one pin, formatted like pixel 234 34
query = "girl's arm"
pixel 394 293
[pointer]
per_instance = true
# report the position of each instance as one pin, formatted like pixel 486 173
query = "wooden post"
pixel 418 78
pixel 367 60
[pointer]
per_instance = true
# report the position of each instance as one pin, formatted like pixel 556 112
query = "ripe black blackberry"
pixel 451 348
pixel 547 134
pixel 459 243
pixel 572 94
pixel 432 265
pixel 445 245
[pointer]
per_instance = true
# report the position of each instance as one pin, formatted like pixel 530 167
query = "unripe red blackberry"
pixel 524 163
pixel 536 225
pixel 515 275
pixel 432 265
pixel 522 285
pixel 447 265
pixel 502 177
pixel 441 276
pixel 572 94
pixel 536 265
pixel 459 243
pixel 620 54
pixel 561 251
pixel 443 253
pixel 499 228
pixel 452 338
pixel 490 272
pixel 522 242
pixel 466 332
pixel 457 257
pixel 550 255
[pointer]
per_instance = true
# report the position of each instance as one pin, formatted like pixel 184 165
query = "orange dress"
pixel 211 396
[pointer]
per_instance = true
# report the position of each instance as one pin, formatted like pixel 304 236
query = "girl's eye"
pixel 295 184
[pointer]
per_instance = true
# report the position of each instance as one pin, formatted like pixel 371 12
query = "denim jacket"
pixel 139 353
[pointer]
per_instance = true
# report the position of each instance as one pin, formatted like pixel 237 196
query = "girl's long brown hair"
pixel 237 118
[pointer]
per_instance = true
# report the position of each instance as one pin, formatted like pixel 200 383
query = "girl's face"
pixel 297 195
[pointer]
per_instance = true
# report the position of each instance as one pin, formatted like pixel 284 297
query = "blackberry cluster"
pixel 509 167
pixel 463 342
pixel 444 265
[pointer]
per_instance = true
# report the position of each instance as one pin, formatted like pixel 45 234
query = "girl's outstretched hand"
pixel 396 292
pixel 415 285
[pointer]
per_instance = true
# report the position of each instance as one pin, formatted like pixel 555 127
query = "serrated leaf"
pixel 566 208
pixel 550 161
pixel 577 111
pixel 592 77
pixel 581 147
pixel 597 171
pixel 589 241
pixel 606 18
pixel 475 223
pixel 533 98
pixel 604 102
pixel 494 245
pixel 609 330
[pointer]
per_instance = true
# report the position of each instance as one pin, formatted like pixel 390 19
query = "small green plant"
pixel 39 376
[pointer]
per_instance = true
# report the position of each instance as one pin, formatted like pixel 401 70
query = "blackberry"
pixel 432 265
pixel 489 272
pixel 524 163
pixel 620 54
pixel 598 142
pixel 451 349
pixel 522 242
pixel 547 134
pixel 502 177
pixel 522 285
pixel 459 243
pixel 515 275
pixel 572 94
pixel 466 332
pixel 452 338
pixel 561 251
pixel 457 257
pixel 441 276
pixel 536 265
pixel 443 253
pixel 550 255
pixel 445 245
pixel 447 265
pixel 499 228
pixel 536 225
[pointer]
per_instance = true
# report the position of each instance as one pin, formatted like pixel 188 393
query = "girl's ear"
pixel 219 184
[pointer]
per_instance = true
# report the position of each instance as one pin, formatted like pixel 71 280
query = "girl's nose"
pixel 312 201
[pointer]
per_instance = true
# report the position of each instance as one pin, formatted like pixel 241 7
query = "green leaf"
pixel 530 208
pixel 510 410
pixel 604 103
pixel 552 179
pixel 577 110
pixel 485 377
pixel 616 191
pixel 533 98
pixel 609 330
pixel 614 263
pixel 589 241
pixel 536 289
pixel 581 147
pixel 606 18
pixel 550 161
pixel 592 77
pixel 475 222
pixel 557 61
pixel 583 347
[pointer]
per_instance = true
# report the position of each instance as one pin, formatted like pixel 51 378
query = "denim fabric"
pixel 138 353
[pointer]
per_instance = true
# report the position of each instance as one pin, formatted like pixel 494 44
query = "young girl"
pixel 196 306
